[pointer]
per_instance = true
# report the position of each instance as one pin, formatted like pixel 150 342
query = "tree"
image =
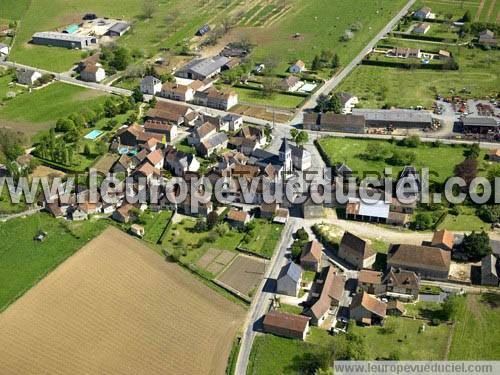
pixel 403 157
pixel 473 151
pixel 110 108
pixel 422 221
pixel 335 61
pixel 476 245
pixel 302 235
pixel 467 16
pixel 316 63
pixel 137 95
pixel 335 104
pixel 87 151
pixel 467 170
pixel 412 141
pixel 302 138
pixel 121 58
pixel 212 219
pixel 64 124
pixel 152 102
pixel 322 103
pixel 148 8
pixel 269 87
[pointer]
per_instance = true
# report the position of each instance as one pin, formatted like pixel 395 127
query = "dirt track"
pixel 116 307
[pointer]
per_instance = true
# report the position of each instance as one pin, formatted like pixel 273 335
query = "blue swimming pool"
pixel 94 134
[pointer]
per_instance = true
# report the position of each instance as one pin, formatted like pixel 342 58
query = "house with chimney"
pixel 367 310
pixel 356 251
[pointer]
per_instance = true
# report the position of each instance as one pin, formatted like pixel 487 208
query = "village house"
pixel 428 262
pixel 197 209
pixel 201 69
pixel 356 251
pixel 371 282
pixel 422 28
pixel 348 102
pixel 310 258
pixel 286 325
pixel 268 210
pixel 487 38
pixel 93 73
pixel 174 91
pixel 135 135
pixel 405 53
pixel 422 13
pixel 169 131
pixel 247 140
pixel 443 239
pixel 213 144
pixel 367 310
pixel 156 159
pixel 312 210
pixel 147 171
pixel 123 213
pixel 401 284
pixel 150 85
pixel 234 122
pixel 201 133
pixel 298 67
pixel 282 215
pixel 27 77
pixel 180 163
pixel 172 113
pixel 490 270
pixel 238 218
pixel 395 308
pixel 137 230
pixel 290 84
pixel 326 292
pixel 214 98
pixel 301 158
pixel 494 155
pixel 4 49
pixel 289 280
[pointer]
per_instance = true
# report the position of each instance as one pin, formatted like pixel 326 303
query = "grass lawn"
pixel 407 339
pixel 464 223
pixel 46 105
pixel 290 309
pixel 474 336
pixel 443 7
pixel 320 24
pixel 23 261
pixel 276 100
pixel 6 78
pixel 155 223
pixel 6 206
pixel 377 86
pixel 13 9
pixel 182 235
pixel 440 160
pixel 273 355
pixel 263 239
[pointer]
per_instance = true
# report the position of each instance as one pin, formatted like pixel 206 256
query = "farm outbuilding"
pixel 71 41
pixel 396 118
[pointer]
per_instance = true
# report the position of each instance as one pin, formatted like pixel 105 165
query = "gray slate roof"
pixel 291 270
pixel 409 115
pixel 61 36
pixel 206 66
pixel 479 121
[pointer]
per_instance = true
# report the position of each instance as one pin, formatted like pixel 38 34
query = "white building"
pixel 150 85
pixel 93 73
pixel 4 49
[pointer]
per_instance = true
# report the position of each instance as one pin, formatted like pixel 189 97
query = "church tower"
pixel 286 156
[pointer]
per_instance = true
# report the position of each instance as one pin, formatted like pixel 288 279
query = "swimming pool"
pixel 94 134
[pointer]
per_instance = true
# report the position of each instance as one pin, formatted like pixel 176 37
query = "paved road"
pixel 262 299
pixel 333 82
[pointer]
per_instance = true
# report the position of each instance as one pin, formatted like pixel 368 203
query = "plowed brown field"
pixel 116 307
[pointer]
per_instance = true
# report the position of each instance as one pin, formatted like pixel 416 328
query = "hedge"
pixel 402 65
pixel 423 37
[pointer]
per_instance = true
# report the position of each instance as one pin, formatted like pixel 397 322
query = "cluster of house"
pixel 406 265
pixel 148 151
pixel 199 92
pixel 84 35
pixel 416 53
